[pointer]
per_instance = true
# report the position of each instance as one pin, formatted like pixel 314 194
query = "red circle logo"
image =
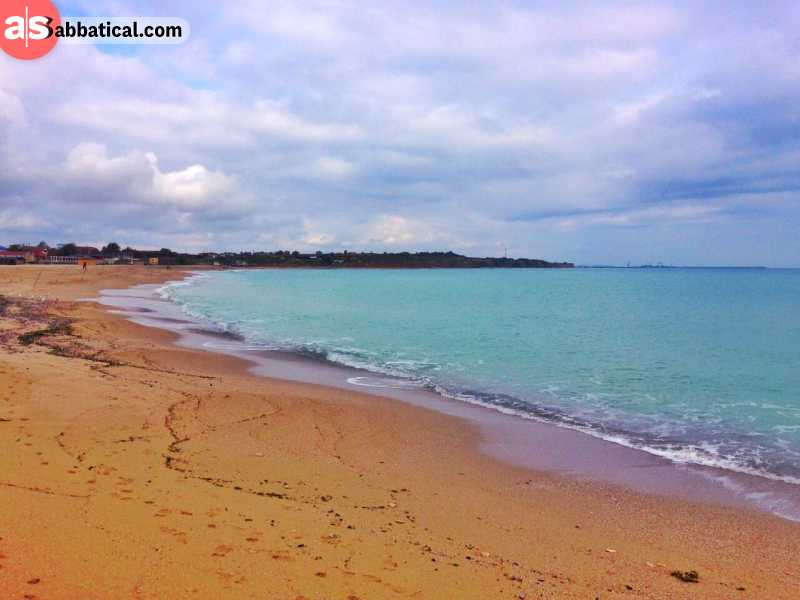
pixel 27 27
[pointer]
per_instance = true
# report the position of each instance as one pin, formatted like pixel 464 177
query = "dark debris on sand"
pixel 686 576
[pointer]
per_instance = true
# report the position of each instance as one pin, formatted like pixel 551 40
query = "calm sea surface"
pixel 697 365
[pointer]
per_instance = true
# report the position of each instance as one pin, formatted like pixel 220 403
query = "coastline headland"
pixel 112 253
pixel 390 260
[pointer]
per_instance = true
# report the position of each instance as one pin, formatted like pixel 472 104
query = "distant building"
pixel 62 260
pixel 88 254
pixel 24 255
pixel 11 257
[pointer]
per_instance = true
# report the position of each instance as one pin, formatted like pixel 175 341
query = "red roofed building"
pixel 24 255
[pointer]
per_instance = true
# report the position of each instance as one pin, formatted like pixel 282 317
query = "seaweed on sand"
pixel 61 327
pixel 34 318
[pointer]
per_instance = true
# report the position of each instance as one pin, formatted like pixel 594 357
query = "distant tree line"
pixel 287 258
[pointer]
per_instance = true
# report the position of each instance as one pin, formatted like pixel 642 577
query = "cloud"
pixel 194 186
pixel 404 232
pixel 586 131
pixel 270 118
pixel 17 221
pixel 138 176
pixel 642 217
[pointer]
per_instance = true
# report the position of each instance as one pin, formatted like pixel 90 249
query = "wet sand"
pixel 134 468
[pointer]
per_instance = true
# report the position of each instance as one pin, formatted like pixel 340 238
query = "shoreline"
pixel 138 468
pixel 521 440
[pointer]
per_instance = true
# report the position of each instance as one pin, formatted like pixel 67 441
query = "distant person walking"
pixel 85 266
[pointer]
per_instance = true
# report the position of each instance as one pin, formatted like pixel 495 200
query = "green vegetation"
pixel 386 260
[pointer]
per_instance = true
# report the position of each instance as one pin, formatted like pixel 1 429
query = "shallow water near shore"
pixel 721 447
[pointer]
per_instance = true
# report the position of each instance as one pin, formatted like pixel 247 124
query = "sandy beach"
pixel 132 468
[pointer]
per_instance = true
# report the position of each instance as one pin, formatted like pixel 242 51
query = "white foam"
pixel 385 383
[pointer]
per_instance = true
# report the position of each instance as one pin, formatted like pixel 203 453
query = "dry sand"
pixel 130 468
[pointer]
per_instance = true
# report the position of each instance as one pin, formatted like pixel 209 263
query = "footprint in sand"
pixel 230 577
pixel 179 536
pixel 222 550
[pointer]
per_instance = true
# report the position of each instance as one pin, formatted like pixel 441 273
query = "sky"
pixel 597 132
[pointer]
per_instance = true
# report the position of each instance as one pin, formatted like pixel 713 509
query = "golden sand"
pixel 130 468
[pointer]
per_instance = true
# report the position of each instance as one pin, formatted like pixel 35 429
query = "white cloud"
pixel 405 232
pixel 192 187
pixel 318 239
pixel 89 165
pixel 331 167
pixel 270 118
pixel 12 110
pixel 12 220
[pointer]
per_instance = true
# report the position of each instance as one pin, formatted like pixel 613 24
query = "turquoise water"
pixel 698 365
